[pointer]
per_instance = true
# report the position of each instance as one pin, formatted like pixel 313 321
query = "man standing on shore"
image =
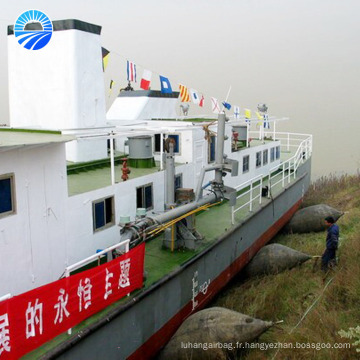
pixel 332 240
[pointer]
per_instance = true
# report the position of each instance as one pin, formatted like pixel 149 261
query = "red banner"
pixel 29 320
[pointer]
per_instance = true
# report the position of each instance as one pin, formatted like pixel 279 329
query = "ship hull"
pixel 140 328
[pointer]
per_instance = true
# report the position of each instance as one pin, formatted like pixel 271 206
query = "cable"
pixel 307 311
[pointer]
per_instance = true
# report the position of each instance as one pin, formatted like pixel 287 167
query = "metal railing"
pixel 86 261
pixel 281 173
pixel 5 297
pixel 89 259
pixel 252 184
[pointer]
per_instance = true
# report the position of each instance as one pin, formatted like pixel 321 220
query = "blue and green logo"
pixel 33 29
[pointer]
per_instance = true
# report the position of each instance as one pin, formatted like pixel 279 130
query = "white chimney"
pixel 60 86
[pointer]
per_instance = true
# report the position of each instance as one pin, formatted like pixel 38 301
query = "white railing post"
pixel 307 149
pixel 288 141
pixel 112 161
pixel 274 135
pixel 302 152
pixel 233 215
pixel 289 174
pixel 260 189
pixel 247 134
pixel 161 151
pixel 283 175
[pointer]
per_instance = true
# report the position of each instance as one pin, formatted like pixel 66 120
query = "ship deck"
pixel 159 262
pixel 93 179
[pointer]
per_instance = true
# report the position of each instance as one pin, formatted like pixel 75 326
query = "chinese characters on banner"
pixel 29 320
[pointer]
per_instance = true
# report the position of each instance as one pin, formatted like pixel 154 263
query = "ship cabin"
pixel 55 212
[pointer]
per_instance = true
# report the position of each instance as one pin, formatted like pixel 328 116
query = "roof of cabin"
pixel 12 138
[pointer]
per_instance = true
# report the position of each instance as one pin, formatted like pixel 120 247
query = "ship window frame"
pixel 178 143
pixel 157 149
pixel 143 195
pixel 265 158
pixel 11 195
pixel 109 219
pixel 258 159
pixel 245 170
pixel 272 154
pixel 277 152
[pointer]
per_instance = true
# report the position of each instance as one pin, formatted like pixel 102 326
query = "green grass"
pixel 288 295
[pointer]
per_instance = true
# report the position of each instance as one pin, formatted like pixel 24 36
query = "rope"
pixel 208 132
pixel 307 311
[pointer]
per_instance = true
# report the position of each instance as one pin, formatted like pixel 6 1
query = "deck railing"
pixel 252 187
pixel 97 256
pixel 282 173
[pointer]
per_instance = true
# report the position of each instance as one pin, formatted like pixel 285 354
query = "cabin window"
pixel 258 159
pixel 277 152
pixel 144 197
pixel 177 143
pixel 7 195
pixel 265 156
pixel 246 163
pixel 178 181
pixel 211 148
pixel 157 143
pixel 272 154
pixel 103 213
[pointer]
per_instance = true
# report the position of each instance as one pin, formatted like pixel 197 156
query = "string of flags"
pixel 186 94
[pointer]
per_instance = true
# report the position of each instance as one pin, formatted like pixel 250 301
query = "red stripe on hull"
pixel 152 346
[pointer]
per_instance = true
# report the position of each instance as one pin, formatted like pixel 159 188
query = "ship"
pixel 117 225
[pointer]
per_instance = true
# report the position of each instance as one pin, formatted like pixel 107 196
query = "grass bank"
pixel 334 300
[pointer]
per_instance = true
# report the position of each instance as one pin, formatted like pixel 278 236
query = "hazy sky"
pixel 301 57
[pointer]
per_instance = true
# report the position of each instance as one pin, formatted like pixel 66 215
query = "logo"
pixel 33 29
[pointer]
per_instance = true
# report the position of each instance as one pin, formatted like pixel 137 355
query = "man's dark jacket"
pixel 332 238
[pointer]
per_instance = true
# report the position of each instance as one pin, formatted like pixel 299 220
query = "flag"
pixel 145 81
pixel 226 105
pixel 266 121
pixel 215 106
pixel 184 93
pixel 202 100
pixel 236 112
pixel 165 85
pixel 112 83
pixel 194 96
pixel 131 71
pixel 247 115
pixel 260 118
pixel 105 58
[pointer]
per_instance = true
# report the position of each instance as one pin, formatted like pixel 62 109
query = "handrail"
pixel 5 297
pixel 95 256
pixel 287 169
pixel 250 191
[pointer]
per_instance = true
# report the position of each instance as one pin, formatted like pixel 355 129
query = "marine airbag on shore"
pixel 274 258
pixel 214 334
pixel 311 219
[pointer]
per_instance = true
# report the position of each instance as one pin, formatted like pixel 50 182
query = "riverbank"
pixel 314 307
